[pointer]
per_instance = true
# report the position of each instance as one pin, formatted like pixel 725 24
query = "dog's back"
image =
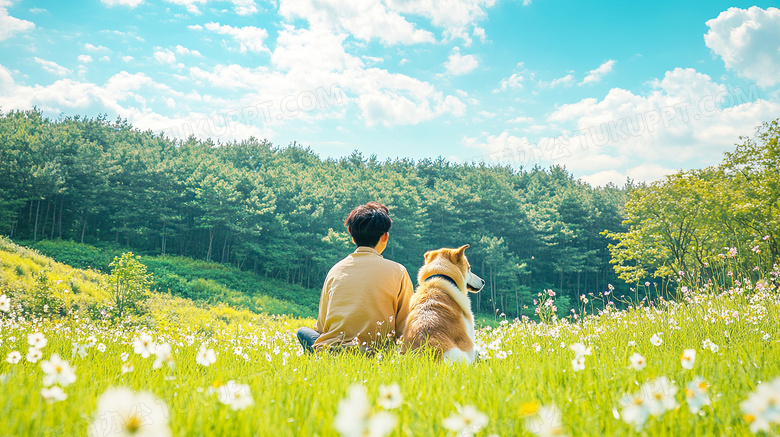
pixel 440 314
pixel 438 321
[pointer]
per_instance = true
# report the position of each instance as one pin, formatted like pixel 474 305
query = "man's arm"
pixel 402 309
pixel 323 311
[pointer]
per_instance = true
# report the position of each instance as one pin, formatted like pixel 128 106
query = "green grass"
pixel 206 283
pixel 297 394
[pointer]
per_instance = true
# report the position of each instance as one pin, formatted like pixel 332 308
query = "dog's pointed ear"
pixel 427 256
pixel 458 254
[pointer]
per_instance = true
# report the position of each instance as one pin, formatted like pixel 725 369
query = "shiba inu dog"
pixel 440 310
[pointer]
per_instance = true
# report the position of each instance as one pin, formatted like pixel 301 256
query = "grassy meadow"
pixel 660 368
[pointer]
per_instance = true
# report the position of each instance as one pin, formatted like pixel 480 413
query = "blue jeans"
pixel 307 337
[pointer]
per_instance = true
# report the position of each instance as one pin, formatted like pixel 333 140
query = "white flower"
pixel 122 412
pixel 57 372
pixel 13 357
pixel 696 394
pixel 127 368
pixel 632 343
pixel 655 340
pixel 380 424
pixel 53 394
pixel 206 357
pixel 5 304
pixel 580 350
pixel 390 396
pixel 545 422
pixel 654 398
pixel 91 341
pixel 33 354
pixel 236 396
pixel 762 407
pixel 635 410
pixel 707 344
pixel 143 345
pixel 124 356
pixel 37 340
pixel 578 364
pixel 101 347
pixel 661 394
pixel 466 421
pixel 353 412
pixel 79 349
pixel 163 353
pixel 688 358
pixel 637 361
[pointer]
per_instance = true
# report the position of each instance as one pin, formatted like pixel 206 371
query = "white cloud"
pixel 165 56
pixel 84 59
pixel 52 67
pixel 9 26
pixel 104 59
pixel 363 19
pixel 245 7
pixel 460 64
pixel 596 75
pixel 185 51
pixel 521 119
pixel 68 94
pixel 479 33
pixel 38 11
pixel 567 80
pixel 94 48
pixel 122 94
pixel 312 50
pixel 747 40
pixel 452 14
pixel 127 58
pixel 602 178
pixel 240 7
pixel 313 60
pixel 647 172
pixel 516 80
pixel 128 3
pixel 249 38
pixel 686 117
pixel 513 82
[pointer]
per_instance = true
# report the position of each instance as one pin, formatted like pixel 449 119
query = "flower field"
pixel 708 365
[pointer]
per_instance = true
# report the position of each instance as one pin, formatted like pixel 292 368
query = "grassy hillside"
pixel 47 288
pixel 202 282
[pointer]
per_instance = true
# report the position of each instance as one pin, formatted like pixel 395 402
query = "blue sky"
pixel 610 89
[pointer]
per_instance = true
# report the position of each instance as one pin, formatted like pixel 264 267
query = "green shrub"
pixel 82 256
pixel 42 300
pixel 129 282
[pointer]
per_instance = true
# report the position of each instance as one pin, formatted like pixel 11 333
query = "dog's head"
pixel 454 264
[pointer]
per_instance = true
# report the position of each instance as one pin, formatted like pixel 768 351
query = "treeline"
pixel 698 224
pixel 279 211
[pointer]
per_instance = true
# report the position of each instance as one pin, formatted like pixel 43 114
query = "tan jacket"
pixel 365 298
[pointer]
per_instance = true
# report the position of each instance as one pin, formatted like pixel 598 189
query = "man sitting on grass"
pixel 365 298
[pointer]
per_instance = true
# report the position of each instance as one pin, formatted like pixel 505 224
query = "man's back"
pixel 365 296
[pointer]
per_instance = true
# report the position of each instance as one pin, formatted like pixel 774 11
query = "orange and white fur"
pixel 440 314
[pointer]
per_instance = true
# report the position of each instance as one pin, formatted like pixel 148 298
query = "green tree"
pixel 129 282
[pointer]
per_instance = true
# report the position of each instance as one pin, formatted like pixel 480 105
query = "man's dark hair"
pixel 367 223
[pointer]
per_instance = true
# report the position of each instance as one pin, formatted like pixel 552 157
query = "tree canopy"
pixel 279 211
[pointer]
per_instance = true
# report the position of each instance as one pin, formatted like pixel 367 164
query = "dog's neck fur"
pixel 443 277
pixel 459 295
